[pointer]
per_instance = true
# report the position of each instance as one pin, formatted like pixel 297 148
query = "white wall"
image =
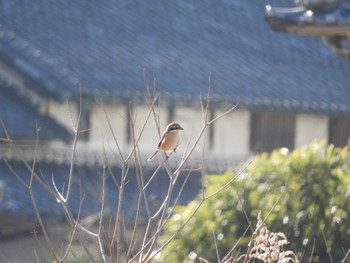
pixel 190 118
pixel 100 132
pixel 232 135
pixel 64 113
pixel 310 127
pixel 147 131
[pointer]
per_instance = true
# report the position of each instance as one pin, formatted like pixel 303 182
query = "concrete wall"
pixel 100 132
pixel 63 113
pixel 310 127
pixel 229 138
pixel 146 130
pixel 190 118
pixel 231 135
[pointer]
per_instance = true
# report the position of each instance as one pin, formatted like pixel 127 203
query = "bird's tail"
pixel 152 156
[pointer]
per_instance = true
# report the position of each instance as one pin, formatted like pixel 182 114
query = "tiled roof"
pixel 20 119
pixel 328 19
pixel 106 45
pixel 48 153
pixel 16 199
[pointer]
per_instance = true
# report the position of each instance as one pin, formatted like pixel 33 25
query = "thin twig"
pixel 216 246
pixel 167 242
pixel 206 123
pixel 76 224
pixel 7 136
pixel 229 182
pixel 74 145
pixel 346 257
pixel 244 211
pixel 251 243
pixel 327 248
pixel 36 209
pixel 136 143
pixel 100 223
pixel 228 257
pixel 141 196
pixel 312 251
pixel 112 131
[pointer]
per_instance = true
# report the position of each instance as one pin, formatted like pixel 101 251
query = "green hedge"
pixel 311 187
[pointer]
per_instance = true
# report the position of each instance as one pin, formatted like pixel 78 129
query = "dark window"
pixel 84 125
pixel 130 109
pixel 270 131
pixel 339 131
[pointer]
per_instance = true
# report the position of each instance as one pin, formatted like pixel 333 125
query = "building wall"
pixel 146 129
pixel 108 122
pixel 310 127
pixel 143 130
pixel 63 113
pixel 191 119
pixel 231 135
pixel 228 138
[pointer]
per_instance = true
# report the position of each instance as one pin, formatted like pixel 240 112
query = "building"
pixel 289 90
pixel 328 19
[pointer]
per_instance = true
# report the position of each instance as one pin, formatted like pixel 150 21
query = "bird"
pixel 169 141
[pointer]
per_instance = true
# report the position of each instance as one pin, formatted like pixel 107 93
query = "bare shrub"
pixel 118 239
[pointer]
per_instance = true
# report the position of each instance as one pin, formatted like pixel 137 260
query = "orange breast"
pixel 169 142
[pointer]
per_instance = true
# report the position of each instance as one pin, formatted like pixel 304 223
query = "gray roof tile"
pixel 20 117
pixel 106 45
pixel 88 179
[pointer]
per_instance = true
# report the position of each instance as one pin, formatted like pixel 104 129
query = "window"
pixel 339 131
pixel 272 130
pixel 85 124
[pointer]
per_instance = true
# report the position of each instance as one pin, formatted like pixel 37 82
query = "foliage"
pixel 307 192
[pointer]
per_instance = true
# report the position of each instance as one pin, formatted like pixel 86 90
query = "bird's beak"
pixel 181 128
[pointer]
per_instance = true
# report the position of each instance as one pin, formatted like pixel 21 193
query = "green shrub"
pixel 307 190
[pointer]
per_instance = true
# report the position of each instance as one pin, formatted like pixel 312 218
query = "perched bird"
pixel 169 141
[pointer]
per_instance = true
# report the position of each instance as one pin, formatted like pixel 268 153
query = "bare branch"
pixel 75 227
pixel 36 209
pixel 101 215
pixel 7 138
pixel 346 257
pixel 136 142
pixel 216 246
pixel 112 131
pixel 328 249
pixel 74 145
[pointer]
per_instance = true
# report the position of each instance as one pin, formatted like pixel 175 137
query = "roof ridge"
pixel 62 155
